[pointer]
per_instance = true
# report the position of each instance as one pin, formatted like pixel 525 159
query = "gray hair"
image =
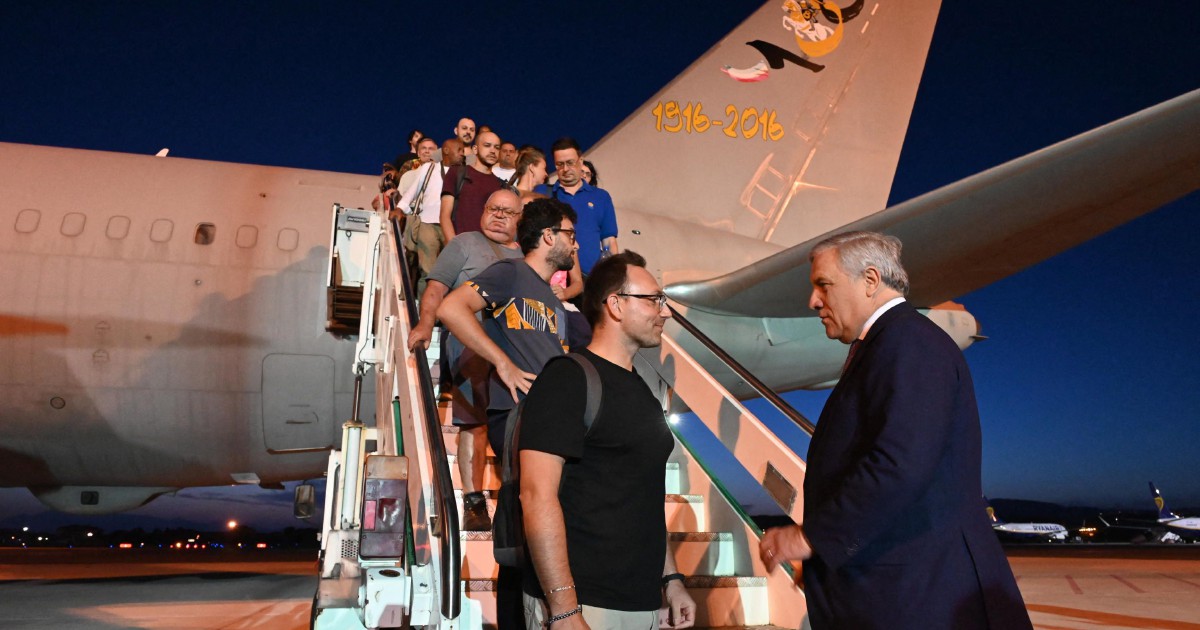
pixel 858 250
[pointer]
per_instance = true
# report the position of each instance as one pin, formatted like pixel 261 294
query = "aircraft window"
pixel 72 224
pixel 27 220
pixel 247 236
pixel 206 233
pixel 118 227
pixel 160 230
pixel 289 239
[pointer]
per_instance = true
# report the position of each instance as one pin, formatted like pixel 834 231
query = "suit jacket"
pixel 893 504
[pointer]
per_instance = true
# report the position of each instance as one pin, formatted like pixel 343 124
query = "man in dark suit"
pixel 895 532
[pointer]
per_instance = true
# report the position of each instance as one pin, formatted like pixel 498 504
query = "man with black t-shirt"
pixel 592 499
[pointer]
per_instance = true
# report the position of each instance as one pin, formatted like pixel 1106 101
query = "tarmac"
pixel 1066 587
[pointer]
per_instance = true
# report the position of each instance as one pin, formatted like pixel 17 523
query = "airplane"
pixel 1025 532
pixel 1179 528
pixel 167 330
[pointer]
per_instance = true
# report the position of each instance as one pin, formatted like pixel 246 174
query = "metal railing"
pixel 445 522
pixel 750 379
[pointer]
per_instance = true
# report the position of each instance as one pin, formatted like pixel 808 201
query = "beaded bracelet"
pixel 559 617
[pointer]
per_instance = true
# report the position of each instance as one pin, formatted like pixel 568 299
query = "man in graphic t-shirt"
pixel 524 326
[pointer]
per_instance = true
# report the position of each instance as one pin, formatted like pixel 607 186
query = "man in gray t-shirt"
pixel 463 259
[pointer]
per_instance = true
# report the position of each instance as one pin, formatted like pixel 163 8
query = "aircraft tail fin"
pixel 991 512
pixel 1164 512
pixel 789 127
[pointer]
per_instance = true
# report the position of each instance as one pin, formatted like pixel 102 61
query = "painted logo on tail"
pixel 816 27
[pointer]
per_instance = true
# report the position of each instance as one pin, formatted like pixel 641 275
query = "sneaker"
pixel 475 514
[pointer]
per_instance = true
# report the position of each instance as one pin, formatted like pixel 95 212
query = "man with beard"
pixel 466 188
pixel 524 326
pixel 465 132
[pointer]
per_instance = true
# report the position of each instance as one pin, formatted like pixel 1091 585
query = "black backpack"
pixel 508 528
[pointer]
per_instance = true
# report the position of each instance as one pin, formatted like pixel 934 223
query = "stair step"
pixel 722 601
pixel 685 513
pixel 450 432
pixel 729 600
pixel 703 553
pixel 674 478
pixel 704 582
pixel 491 474
pixel 768 627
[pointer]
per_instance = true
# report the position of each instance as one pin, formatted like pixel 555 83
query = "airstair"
pixel 393 554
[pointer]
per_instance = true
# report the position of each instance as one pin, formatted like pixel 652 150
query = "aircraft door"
pixel 298 402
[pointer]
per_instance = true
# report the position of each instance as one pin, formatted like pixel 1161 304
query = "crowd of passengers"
pixel 499 256
pixel 438 193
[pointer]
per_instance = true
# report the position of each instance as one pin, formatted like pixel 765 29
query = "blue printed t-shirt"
pixel 522 315
pixel 597 219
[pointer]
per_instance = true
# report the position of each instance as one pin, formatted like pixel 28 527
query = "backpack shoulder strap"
pixel 458 186
pixel 509 462
pixel 594 390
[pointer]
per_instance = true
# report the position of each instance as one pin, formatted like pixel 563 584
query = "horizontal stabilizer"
pixel 989 226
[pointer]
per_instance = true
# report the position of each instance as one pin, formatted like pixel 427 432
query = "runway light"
pixel 261 545
pixel 232 524
pixel 24 529
pixel 89 534
pixel 126 545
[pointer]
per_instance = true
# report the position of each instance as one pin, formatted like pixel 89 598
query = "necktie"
pixel 850 355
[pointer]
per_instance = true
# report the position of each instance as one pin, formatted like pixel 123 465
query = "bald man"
pixel 465 189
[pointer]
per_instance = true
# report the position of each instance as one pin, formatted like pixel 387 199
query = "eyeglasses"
pixel 568 164
pixel 497 210
pixel 659 298
pixel 570 232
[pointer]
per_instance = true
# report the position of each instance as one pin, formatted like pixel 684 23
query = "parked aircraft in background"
pixel 1185 528
pixel 1025 532
pixel 166 329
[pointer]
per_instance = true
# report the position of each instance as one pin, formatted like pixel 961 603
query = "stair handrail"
pixel 677 375
pixel 749 378
pixel 447 521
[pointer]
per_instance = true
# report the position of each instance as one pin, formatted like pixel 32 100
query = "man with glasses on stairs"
pixel 593 497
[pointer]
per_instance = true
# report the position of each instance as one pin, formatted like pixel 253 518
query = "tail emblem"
pixel 816 27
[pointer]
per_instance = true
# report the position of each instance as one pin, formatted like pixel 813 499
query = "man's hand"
pixel 420 335
pixel 784 544
pixel 560 292
pixel 680 611
pixel 514 378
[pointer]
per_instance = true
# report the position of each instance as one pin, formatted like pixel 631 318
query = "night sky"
pixel 1087 385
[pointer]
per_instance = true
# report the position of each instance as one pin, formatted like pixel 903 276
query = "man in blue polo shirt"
pixel 596 229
